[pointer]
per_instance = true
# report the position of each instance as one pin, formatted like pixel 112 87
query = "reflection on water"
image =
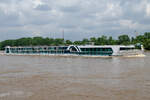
pixel 75 78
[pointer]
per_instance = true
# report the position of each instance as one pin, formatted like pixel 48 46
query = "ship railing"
pixel 93 53
pixel 61 52
pixel 38 51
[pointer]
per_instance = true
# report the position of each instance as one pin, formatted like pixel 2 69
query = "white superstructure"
pixel 86 50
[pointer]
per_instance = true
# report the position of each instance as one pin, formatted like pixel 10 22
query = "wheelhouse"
pixel 126 48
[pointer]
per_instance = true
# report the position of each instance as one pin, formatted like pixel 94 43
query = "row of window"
pixel 127 48
pixel 61 52
pixel 96 49
pixel 38 52
pixel 49 48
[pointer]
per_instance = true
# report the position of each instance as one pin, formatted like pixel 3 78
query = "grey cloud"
pixel 43 7
pixel 78 18
pixel 9 20
pixel 145 21
pixel 5 1
pixel 72 9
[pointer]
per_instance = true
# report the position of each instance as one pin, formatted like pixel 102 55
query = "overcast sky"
pixel 78 18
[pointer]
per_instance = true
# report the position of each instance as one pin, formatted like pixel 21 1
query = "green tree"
pixel 77 43
pixel 93 39
pixel 111 41
pixel 102 40
pixel 147 35
pixel 0 46
pixel 23 42
pixel 68 42
pixel 37 41
pixel 58 42
pixel 139 39
pixel 85 41
pixel 147 44
pixel 48 41
pixel 124 39
pixel 7 43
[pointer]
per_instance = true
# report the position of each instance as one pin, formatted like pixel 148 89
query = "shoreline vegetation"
pixel 103 40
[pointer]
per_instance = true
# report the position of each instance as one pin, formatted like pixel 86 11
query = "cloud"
pixel 79 18
pixel 43 7
pixel 148 10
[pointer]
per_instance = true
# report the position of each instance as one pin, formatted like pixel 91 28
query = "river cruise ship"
pixel 74 50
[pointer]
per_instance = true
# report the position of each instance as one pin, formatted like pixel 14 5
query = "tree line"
pixel 103 40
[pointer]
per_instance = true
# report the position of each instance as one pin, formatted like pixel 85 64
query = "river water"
pixel 74 78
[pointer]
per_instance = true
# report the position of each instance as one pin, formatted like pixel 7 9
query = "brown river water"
pixel 74 78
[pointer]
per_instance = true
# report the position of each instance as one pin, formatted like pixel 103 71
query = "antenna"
pixel 50 35
pixel 136 33
pixel 54 35
pixel 63 35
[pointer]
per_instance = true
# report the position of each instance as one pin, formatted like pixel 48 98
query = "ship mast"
pixel 136 33
pixel 63 36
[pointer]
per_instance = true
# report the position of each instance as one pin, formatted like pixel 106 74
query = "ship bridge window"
pixel 62 48
pixel 126 48
pixel 65 48
pixel 96 49
pixel 7 50
pixel 45 48
pixel 51 48
pixel 83 49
